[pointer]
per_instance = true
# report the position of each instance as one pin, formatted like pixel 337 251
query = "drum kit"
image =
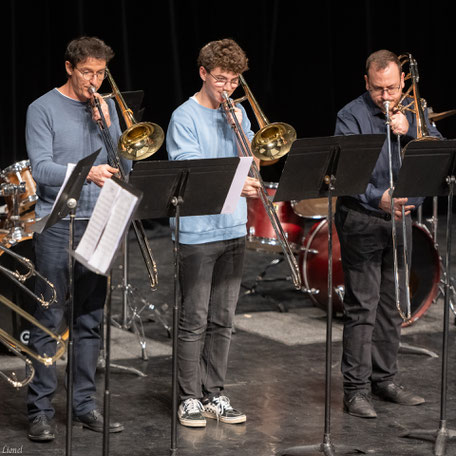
pixel 17 215
pixel 311 248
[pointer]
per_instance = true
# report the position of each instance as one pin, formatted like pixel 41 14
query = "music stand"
pixel 183 188
pixel 429 169
pixel 66 204
pixel 313 167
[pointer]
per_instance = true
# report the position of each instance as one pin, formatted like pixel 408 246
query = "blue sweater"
pixel 60 130
pixel 197 132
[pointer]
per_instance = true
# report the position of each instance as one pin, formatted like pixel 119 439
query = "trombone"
pixel 416 106
pixel 137 142
pixel 271 142
pixel 17 347
pixel 19 278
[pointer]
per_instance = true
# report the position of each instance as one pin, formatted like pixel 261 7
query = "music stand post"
pixel 67 204
pixel 183 188
pixel 313 167
pixel 415 180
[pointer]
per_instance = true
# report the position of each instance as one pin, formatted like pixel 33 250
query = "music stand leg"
pixel 72 203
pixel 443 434
pixel 326 447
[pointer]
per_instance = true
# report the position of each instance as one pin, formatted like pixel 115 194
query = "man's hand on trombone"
pixel 250 189
pixel 385 205
pixel 100 173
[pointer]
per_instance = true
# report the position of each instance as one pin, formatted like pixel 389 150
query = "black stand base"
pixel 441 436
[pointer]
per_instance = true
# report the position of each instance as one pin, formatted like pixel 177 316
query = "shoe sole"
pixel 94 429
pixel 380 398
pixel 237 420
pixel 41 439
pixel 192 423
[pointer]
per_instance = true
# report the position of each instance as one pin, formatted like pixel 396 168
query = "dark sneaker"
pixel 42 429
pixel 359 405
pixel 219 408
pixel 396 393
pixel 190 413
pixel 94 421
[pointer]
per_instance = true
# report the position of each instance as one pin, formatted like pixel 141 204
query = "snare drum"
pixel 316 208
pixel 261 235
pixel 15 174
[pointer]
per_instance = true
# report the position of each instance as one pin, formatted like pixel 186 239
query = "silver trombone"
pixel 269 145
pixel 405 316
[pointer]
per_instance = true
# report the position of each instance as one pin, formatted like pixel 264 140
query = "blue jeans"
pixel 210 279
pixel 51 250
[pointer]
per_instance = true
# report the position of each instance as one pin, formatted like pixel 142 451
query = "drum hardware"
pixel 270 142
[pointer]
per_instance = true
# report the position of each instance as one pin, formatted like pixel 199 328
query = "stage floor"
pixel 276 375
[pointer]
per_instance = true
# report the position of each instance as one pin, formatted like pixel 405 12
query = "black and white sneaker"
pixel 219 408
pixel 190 413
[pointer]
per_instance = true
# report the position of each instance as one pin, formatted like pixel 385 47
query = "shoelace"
pixel 221 403
pixel 192 406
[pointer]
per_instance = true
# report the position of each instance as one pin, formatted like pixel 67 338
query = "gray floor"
pixel 276 375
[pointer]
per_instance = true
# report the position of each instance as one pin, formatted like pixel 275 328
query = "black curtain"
pixel 306 58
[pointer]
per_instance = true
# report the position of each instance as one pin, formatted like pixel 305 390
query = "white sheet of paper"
pixel 106 226
pixel 69 170
pixel 232 198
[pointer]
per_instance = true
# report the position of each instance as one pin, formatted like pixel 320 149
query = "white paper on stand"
pixel 69 170
pixel 112 213
pixel 232 197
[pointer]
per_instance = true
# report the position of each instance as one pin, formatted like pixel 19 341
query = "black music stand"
pixel 313 168
pixel 429 169
pixel 175 189
pixel 66 204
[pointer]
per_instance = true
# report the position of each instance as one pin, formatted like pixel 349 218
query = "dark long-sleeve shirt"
pixel 363 116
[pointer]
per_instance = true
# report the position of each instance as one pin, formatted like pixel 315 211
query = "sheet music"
pixel 106 227
pixel 232 198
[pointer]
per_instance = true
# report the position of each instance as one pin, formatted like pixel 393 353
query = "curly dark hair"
pixel 381 59
pixel 225 54
pixel 84 47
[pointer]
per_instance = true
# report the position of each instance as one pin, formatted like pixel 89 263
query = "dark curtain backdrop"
pixel 306 58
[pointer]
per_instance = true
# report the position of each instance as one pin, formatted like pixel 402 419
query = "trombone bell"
pixel 141 140
pixel 273 141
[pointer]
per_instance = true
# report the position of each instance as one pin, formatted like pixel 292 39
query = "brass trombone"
pixel 19 278
pixel 21 350
pixel 138 141
pixel 271 142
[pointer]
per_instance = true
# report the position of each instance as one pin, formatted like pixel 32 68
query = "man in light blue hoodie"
pixel 211 247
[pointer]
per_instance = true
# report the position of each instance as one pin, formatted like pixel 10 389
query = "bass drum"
pixel 261 235
pixel 424 273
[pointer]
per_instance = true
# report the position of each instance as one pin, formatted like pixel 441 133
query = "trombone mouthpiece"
pixel 225 95
pixel 386 104
pixel 92 89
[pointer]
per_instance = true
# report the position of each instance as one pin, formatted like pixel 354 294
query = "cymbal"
pixel 435 116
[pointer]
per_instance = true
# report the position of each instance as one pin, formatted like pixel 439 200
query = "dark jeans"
pixel 372 324
pixel 51 250
pixel 210 278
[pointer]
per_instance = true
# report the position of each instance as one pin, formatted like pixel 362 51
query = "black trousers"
pixel 372 323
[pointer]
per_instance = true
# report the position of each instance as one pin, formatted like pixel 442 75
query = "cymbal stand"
pixel 443 434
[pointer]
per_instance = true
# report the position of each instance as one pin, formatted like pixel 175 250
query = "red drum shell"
pixel 424 273
pixel 261 235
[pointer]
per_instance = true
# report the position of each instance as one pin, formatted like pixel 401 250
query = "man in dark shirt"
pixel 372 323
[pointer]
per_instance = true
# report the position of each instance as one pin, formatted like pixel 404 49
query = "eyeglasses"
pixel 389 90
pixel 88 75
pixel 221 81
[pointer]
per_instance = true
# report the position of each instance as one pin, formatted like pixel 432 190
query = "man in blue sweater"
pixel 61 128
pixel 212 247
pixel 372 323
